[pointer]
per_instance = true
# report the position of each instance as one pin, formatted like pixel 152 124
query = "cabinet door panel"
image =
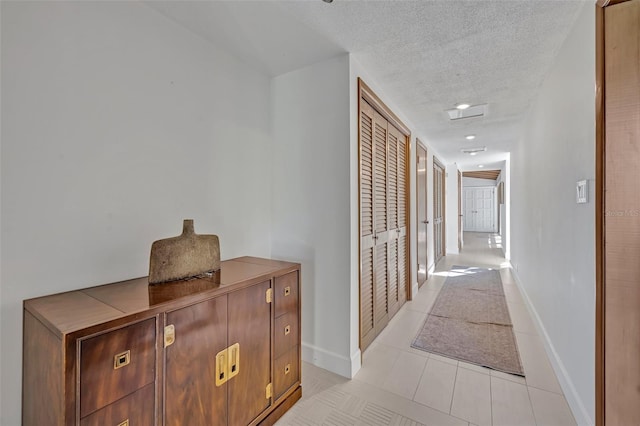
pixel 250 326
pixel 191 394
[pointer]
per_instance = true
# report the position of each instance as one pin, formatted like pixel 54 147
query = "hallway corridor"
pixel 399 385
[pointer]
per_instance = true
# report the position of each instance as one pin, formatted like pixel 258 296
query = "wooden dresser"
pixel 220 350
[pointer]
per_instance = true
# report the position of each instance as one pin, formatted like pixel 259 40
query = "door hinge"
pixel 269 295
pixel 169 335
pixel 269 391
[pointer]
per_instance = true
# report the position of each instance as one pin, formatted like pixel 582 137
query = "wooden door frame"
pixel 599 207
pixel 426 199
pixel 459 211
pixel 365 92
pixel 600 210
pixel 443 244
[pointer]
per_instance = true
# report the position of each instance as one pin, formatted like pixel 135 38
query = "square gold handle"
pixel 121 359
pixel 221 367
pixel 287 330
pixel 287 291
pixel 287 369
pixel 125 423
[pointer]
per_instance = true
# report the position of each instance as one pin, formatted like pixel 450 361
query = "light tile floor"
pixel 399 385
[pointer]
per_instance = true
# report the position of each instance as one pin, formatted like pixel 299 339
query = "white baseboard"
pixel 342 365
pixel 431 269
pixel 576 405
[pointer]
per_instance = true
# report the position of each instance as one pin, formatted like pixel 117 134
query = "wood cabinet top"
pixel 65 313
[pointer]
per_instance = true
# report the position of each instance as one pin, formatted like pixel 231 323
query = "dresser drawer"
pixel 116 364
pixel 286 372
pixel 286 293
pixel 136 409
pixel 286 333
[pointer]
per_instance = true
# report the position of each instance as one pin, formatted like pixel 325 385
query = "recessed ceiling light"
pixel 462 105
pixel 480 165
pixel 470 137
pixel 472 153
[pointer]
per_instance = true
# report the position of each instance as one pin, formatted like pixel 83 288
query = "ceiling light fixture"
pixel 473 151
pixel 463 111
pixel 480 166
pixel 470 137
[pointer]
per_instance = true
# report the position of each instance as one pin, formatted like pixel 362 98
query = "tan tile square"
pixel 510 404
pixel 472 397
pixel 550 409
pixel 405 375
pixel 436 385
pixel 537 368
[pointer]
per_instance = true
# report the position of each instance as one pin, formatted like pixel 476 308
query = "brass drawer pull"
pixel 125 423
pixel 287 291
pixel 287 369
pixel 227 364
pixel 234 360
pixel 120 360
pixel 287 330
pixel 169 335
pixel 221 367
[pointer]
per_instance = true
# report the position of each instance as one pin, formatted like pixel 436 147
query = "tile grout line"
pixel 546 390
pixel 491 398
pixel 531 404
pixel 453 392
pixel 424 369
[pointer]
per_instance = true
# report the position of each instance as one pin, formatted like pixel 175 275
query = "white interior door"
pixel 480 209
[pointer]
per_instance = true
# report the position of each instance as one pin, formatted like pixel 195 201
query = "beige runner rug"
pixel 470 322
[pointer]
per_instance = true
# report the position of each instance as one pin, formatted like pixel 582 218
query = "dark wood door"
pixel 190 391
pixel 438 210
pixel 422 220
pixel 250 327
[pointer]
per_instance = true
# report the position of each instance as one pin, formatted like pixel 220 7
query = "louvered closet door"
pixel 367 270
pixel 381 222
pixel 383 200
pixel 397 265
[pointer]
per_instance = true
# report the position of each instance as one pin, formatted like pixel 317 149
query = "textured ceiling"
pixel 428 55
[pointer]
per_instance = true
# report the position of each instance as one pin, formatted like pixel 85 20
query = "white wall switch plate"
pixel 582 192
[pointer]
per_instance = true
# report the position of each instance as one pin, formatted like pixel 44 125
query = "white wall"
pixel 117 124
pixel 451 207
pixel 552 236
pixel 311 202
